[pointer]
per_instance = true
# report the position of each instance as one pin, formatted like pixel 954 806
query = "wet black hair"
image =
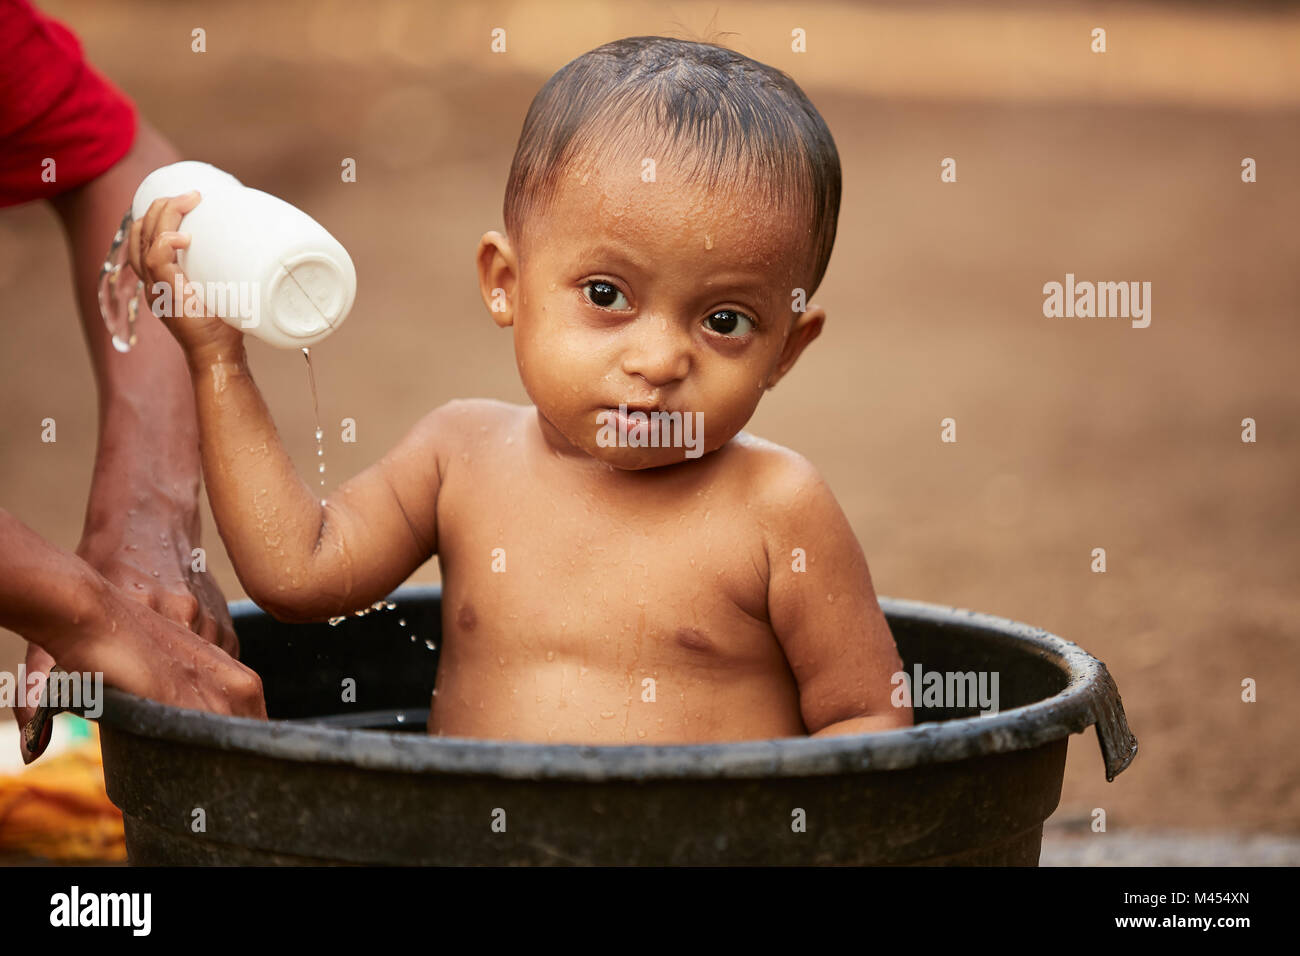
pixel 731 122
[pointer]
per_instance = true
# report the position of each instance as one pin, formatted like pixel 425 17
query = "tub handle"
pixel 1118 745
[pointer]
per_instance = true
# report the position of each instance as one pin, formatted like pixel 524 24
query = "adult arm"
pixel 142 516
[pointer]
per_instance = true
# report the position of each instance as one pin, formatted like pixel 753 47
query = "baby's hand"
pixel 177 303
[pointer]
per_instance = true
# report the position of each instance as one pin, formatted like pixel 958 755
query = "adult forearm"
pixel 46 594
pixel 145 401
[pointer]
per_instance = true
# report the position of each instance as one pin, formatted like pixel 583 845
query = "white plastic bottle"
pixel 264 266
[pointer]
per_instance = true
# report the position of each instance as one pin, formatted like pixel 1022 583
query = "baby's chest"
pixel 689 583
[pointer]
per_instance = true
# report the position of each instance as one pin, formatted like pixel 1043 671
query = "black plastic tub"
pixel 328 782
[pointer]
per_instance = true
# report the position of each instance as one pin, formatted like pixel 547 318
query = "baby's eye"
pixel 605 294
pixel 730 323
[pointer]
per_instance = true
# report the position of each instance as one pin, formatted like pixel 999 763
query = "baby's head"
pixel 670 211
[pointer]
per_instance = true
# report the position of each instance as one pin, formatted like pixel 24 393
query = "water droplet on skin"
pixel 550 655
pixel 155 574
pixel 708 241
pixel 607 714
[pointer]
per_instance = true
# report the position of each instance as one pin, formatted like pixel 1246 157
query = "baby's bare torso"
pixel 581 605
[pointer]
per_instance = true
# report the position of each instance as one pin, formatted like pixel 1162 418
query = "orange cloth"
pixel 57 808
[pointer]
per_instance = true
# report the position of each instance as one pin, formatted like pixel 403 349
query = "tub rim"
pixel 1089 698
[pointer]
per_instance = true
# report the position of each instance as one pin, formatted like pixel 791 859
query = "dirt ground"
pixel 1073 434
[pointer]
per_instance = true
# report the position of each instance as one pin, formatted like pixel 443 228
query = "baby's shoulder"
pixel 472 418
pixel 776 478
pixel 786 493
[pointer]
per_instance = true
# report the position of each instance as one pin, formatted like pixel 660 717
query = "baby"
pixel 621 563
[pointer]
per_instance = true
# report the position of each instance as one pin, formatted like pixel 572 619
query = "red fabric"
pixel 53 105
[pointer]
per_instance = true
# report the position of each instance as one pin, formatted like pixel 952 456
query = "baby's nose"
pixel 660 353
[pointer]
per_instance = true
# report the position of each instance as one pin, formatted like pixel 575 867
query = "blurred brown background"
pixel 1072 433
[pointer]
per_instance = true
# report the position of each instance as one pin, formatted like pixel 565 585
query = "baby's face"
pixel 654 295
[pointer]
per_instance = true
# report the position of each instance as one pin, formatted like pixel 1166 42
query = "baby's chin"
pixel 677 441
pixel 636 457
pixel 639 459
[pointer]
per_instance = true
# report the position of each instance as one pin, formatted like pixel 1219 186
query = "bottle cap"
pixel 309 295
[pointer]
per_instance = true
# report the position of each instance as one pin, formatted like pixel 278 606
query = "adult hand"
pixel 71 613
pixel 142 652
pixel 152 556
pixel 145 551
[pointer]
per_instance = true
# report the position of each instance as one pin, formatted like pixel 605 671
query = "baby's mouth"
pixel 647 407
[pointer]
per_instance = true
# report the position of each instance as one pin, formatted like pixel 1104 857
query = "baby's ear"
pixel 498 277
pixel 807 326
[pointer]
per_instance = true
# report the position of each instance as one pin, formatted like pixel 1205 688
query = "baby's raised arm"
pixel 297 557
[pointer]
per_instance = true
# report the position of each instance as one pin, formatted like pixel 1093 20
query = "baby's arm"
pixel 297 557
pixel 826 617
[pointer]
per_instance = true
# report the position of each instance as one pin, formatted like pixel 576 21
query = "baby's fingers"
pixel 164 215
pixel 160 262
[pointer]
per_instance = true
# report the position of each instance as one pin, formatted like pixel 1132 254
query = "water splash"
pixel 362 612
pixel 120 290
